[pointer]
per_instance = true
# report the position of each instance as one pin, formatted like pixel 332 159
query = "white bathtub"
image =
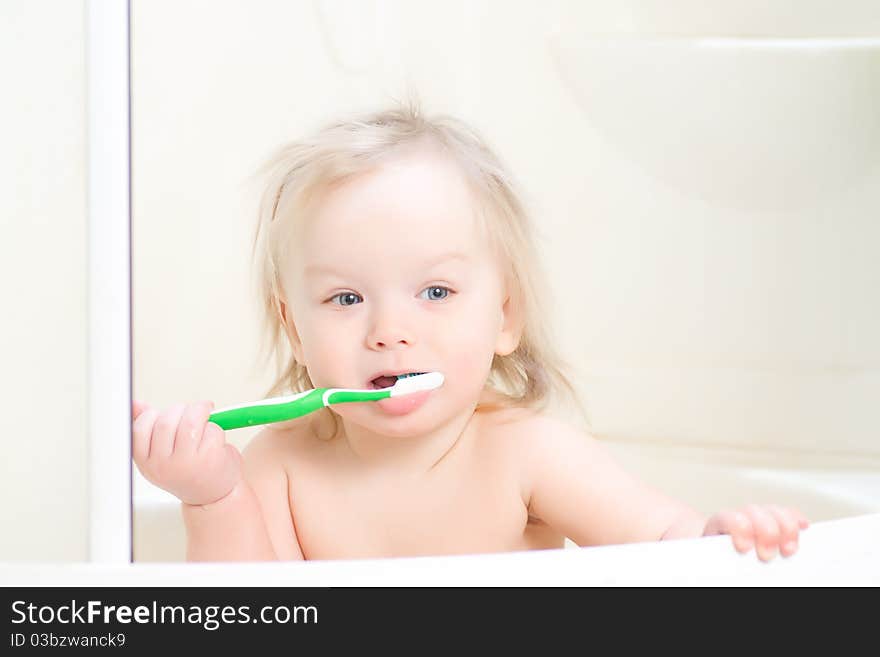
pixel 710 480
pixel 832 553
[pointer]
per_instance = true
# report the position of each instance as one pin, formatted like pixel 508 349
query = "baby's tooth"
pixel 403 376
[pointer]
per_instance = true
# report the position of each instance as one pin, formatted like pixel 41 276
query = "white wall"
pixel 43 266
pixel 743 18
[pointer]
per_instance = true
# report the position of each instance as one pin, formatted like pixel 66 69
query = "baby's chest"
pixel 453 514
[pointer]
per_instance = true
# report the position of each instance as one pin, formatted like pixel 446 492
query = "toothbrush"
pixel 278 409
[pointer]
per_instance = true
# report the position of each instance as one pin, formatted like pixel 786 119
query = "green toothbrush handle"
pixel 251 415
pixel 340 396
pixel 255 414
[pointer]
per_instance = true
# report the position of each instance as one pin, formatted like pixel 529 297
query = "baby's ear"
pixel 511 328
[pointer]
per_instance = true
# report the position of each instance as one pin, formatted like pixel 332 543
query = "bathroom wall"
pixel 703 307
pixel 43 267
pixel 745 18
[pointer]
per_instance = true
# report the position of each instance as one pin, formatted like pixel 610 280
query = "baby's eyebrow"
pixel 315 270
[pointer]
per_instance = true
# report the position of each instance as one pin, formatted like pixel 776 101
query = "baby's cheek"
pixel 328 361
pixel 469 367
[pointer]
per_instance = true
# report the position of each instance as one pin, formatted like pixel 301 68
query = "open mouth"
pixel 390 380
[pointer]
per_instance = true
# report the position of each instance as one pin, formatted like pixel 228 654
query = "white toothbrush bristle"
pixel 410 383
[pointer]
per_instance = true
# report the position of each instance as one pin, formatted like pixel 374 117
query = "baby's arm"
pixel 221 493
pixel 264 468
pixel 254 521
pixel 230 529
pixel 574 485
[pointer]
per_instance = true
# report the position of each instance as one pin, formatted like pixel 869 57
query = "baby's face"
pixel 391 273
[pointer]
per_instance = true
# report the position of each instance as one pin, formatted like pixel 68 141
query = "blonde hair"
pixel 529 377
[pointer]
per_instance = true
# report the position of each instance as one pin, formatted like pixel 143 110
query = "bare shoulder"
pixel 531 445
pixel 527 430
pixel 276 447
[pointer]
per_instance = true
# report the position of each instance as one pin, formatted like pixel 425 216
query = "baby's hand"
pixel 767 528
pixel 181 452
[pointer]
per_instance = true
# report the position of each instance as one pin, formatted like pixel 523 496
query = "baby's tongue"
pixel 385 381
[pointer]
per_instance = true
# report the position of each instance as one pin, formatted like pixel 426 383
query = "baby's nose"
pixel 390 337
pixel 391 326
pixel 388 342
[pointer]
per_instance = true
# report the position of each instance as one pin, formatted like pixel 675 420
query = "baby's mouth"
pixel 387 381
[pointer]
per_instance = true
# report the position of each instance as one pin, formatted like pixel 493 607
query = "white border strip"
pixel 107 69
pixel 842 552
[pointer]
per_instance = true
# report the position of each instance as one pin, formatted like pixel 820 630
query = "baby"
pixel 394 244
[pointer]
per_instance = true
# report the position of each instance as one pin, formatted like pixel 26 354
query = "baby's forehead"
pixel 392 246
pixel 434 175
pixel 425 195
pixel 418 204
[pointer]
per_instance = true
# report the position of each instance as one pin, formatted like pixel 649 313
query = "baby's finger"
pixel 741 532
pixel 766 531
pixel 213 438
pixel 164 431
pixel 788 529
pixel 137 407
pixel 191 427
pixel 141 431
pixel 734 523
pixel 803 523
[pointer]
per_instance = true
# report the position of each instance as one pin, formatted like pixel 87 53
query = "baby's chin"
pixel 373 417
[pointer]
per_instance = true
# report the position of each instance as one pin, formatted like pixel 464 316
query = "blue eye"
pixel 346 296
pixel 437 288
pixel 435 293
